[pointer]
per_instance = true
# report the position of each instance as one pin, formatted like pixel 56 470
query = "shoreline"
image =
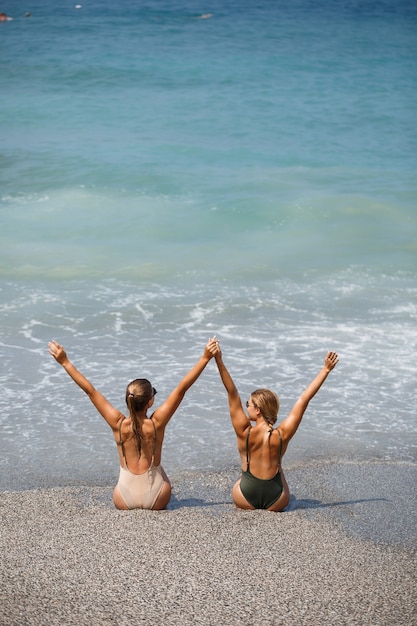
pixel 70 557
pixel 371 499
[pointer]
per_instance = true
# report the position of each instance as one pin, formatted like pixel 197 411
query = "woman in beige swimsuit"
pixel 142 483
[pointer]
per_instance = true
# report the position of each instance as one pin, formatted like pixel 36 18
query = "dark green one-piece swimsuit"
pixel 261 494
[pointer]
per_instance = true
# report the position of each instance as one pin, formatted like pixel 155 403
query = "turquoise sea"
pixel 171 170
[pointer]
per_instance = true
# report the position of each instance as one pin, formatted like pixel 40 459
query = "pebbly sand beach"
pixel 342 553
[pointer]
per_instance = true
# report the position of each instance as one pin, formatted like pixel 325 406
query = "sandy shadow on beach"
pixel 295 504
pixel 317 504
pixel 176 503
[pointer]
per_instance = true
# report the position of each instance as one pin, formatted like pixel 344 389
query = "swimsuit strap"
pixel 154 438
pixel 121 442
pixel 247 448
pixel 280 450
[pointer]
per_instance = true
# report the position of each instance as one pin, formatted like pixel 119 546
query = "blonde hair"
pixel 268 403
pixel 138 394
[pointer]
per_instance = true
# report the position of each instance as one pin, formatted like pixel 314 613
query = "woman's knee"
pixel 118 501
pixel 164 497
pixel 239 499
pixel 281 503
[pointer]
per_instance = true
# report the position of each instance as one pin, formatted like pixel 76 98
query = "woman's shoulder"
pixel 261 436
pixel 121 420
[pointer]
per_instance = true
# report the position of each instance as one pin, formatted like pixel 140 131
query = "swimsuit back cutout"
pixel 247 448
pixel 122 445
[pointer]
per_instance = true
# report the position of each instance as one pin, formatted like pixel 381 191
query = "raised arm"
pixel 163 413
pixel 239 419
pixel 103 406
pixel 289 426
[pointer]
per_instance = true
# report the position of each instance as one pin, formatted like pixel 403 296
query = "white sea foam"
pixel 369 400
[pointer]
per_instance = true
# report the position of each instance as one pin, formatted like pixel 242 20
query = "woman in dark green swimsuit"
pixel 261 447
